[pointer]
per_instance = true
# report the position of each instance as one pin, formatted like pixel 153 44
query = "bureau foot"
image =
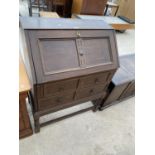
pixel 101 108
pixel 96 104
pixel 36 123
pixel 37 126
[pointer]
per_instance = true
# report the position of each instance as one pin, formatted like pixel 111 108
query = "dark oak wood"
pixel 122 85
pixel 24 87
pixel 37 23
pixel 62 7
pixel 24 122
pixel 70 63
pixel 89 7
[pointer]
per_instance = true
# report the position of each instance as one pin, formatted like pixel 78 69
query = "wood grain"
pixel 89 7
pixel 49 14
pixel 24 84
pixel 74 62
pixel 126 8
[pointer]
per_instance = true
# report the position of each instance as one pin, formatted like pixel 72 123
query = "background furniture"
pixel 70 62
pixel 62 7
pixel 89 7
pixel 111 5
pixel 38 4
pixel 116 22
pixel 126 9
pixel 122 85
pixel 24 87
pixel 49 14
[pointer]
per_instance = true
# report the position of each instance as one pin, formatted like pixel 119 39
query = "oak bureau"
pixel 69 62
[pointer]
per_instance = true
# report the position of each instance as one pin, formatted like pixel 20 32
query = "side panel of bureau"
pixel 24 122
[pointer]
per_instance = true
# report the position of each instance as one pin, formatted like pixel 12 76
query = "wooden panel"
pixel 130 90
pixel 60 87
pixel 37 23
pixel 55 101
pixel 76 6
pixel 91 7
pixel 96 51
pixel 87 92
pixel 123 26
pixel 62 51
pixel 24 122
pixel 126 8
pixel 21 124
pixel 123 82
pixel 92 80
pixel 115 93
pixel 66 52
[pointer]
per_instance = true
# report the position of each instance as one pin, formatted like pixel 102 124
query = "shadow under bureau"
pixel 69 62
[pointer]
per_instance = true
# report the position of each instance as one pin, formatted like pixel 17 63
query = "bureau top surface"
pixel 61 23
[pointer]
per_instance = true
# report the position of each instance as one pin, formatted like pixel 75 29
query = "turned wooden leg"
pixel 36 124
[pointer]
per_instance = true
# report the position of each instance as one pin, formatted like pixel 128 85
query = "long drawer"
pixel 94 80
pixel 54 101
pixel 129 91
pixel 90 91
pixel 55 88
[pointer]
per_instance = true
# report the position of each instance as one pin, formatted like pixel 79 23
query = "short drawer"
pixel 49 102
pixel 94 79
pixel 86 92
pixel 59 87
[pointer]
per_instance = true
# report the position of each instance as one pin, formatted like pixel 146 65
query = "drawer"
pixel 60 87
pixel 49 102
pixel 86 92
pixel 94 79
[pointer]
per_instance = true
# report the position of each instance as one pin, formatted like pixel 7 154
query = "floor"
pixel 109 132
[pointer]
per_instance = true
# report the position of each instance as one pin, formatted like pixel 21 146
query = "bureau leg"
pixel 36 124
pixel 97 104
